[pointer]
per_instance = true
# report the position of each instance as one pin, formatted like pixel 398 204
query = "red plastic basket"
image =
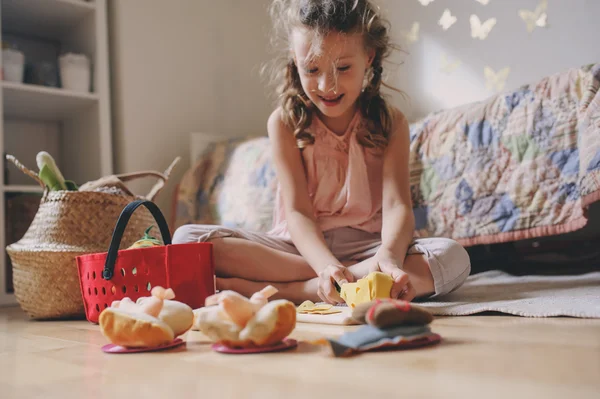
pixel 106 277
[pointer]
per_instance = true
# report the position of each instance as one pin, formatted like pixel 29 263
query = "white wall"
pixel 183 66
pixel 569 40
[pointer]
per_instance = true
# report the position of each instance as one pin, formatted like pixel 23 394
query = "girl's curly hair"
pixel 322 17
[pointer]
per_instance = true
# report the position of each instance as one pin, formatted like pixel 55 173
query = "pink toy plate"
pixel 287 343
pixel 112 348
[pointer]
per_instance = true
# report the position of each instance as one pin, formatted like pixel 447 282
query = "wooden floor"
pixel 480 357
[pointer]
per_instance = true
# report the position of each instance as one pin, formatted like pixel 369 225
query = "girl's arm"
pixel 299 213
pixel 398 219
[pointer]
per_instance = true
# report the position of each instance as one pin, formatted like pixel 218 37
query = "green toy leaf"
pixel 51 175
pixel 50 179
pixel 147 235
pixel 71 186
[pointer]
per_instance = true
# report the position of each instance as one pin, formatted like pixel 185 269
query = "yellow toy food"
pixel 374 285
pixel 149 322
pixel 146 241
pixel 310 307
pixel 235 321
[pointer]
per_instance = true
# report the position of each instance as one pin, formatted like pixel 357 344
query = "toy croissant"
pixel 235 321
pixel 149 322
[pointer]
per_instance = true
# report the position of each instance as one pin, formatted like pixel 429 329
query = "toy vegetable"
pixel 146 241
pixel 51 175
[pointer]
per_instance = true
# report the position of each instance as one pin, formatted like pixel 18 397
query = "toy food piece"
pixel 374 285
pixel 269 326
pixel 310 307
pixel 389 312
pixel 151 305
pixel 239 308
pixel 235 321
pixel 175 314
pixel 150 322
pixel 216 325
pixel 134 329
pixel 146 241
pixel 369 338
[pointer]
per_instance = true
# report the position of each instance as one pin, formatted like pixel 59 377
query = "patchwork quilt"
pixel 520 164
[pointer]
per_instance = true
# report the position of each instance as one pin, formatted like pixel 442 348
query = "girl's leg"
pixel 296 292
pixel 435 266
pixel 415 266
pixel 448 262
pixel 237 257
pixel 249 255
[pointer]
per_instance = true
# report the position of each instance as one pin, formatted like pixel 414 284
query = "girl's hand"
pixel 402 288
pixel 327 291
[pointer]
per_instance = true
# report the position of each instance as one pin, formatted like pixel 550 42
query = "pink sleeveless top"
pixel 344 180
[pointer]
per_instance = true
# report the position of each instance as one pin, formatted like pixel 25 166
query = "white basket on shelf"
pixel 75 72
pixel 13 64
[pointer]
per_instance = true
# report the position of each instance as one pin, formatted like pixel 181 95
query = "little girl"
pixel 341 156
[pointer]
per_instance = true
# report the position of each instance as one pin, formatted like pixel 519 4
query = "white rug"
pixel 529 296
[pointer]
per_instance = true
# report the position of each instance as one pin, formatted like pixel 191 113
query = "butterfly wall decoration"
pixel 535 18
pixel 481 30
pixel 412 35
pixel 448 66
pixel 495 81
pixel 447 20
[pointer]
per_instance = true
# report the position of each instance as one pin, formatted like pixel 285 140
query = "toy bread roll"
pixel 271 324
pixel 134 330
pixel 212 323
pixel 175 314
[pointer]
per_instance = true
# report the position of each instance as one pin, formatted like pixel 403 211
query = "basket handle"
pixel 162 178
pixel 115 243
pixel 26 170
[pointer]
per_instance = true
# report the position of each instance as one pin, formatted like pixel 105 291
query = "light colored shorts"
pixel 449 261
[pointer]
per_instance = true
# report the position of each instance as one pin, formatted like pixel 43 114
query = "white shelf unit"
pixel 22 189
pixel 74 127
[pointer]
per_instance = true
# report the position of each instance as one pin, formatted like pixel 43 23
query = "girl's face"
pixel 333 77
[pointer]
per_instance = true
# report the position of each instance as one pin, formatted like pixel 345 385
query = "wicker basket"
pixel 20 211
pixel 66 225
